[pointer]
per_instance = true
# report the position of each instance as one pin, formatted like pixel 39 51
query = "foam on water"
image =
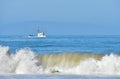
pixel 25 61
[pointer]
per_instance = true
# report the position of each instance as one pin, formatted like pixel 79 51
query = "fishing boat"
pixel 39 34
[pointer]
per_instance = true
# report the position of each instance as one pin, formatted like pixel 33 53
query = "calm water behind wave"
pixel 59 44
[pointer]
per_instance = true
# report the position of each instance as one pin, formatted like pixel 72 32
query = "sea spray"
pixel 26 61
pixel 23 62
pixel 5 60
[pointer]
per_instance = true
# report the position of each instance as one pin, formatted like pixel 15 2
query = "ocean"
pixel 60 57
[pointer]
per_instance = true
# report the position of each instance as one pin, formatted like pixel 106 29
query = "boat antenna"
pixel 38 30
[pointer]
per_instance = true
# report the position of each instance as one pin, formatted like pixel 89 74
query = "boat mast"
pixel 38 30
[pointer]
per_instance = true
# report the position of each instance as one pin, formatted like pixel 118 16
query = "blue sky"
pixel 60 17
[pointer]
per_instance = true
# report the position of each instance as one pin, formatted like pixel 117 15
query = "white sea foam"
pixel 25 61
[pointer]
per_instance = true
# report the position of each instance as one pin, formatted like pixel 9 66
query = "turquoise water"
pixel 59 44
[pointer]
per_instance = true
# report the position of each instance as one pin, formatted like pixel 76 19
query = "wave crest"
pixel 25 61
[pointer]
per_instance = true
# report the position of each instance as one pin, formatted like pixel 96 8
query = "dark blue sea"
pixel 58 44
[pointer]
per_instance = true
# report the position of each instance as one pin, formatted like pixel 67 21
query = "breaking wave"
pixel 25 61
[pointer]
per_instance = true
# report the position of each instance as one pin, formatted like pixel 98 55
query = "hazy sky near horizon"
pixel 60 17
